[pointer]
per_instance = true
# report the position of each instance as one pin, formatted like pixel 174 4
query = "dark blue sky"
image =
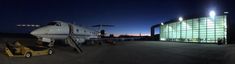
pixel 128 16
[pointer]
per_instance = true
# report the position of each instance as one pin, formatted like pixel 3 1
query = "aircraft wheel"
pixel 50 52
pixel 28 55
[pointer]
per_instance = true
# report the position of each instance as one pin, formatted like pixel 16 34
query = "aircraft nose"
pixel 39 31
pixel 34 32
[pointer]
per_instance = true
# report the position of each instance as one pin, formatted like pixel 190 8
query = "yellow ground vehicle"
pixel 18 50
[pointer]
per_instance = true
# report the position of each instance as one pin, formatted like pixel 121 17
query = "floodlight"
pixel 180 18
pixel 212 13
pixel 162 23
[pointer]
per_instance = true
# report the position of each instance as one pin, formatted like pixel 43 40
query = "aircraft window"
pixel 58 24
pixel 54 23
pixel 77 30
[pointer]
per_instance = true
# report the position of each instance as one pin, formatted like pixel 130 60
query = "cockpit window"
pixel 54 23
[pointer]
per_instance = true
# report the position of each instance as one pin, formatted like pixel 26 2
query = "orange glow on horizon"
pixel 116 35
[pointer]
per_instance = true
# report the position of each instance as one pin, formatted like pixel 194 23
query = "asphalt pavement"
pixel 134 52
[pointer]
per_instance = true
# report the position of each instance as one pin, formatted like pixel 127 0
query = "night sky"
pixel 128 16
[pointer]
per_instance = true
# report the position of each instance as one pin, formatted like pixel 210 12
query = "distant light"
pixel 23 25
pixel 212 13
pixel 18 25
pixel 37 25
pixel 162 23
pixel 28 25
pixel 180 18
pixel 225 12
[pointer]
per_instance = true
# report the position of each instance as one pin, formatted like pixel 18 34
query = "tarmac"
pixel 133 52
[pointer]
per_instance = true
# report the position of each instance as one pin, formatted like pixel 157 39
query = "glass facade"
pixel 203 30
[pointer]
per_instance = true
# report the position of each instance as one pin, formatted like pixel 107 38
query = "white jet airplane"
pixel 61 30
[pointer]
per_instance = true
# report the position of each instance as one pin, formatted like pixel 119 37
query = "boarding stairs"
pixel 71 40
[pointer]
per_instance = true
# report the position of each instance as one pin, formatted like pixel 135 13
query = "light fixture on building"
pixel 180 18
pixel 226 12
pixel 212 13
pixel 162 23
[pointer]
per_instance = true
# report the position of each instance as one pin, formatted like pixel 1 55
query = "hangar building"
pixel 211 29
